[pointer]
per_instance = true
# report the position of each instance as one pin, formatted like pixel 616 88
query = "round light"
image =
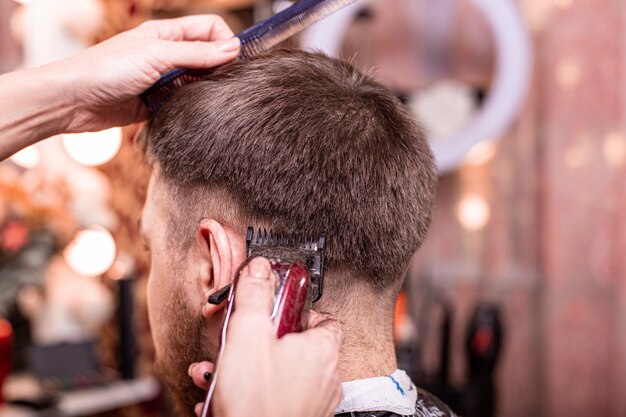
pixel 568 74
pixel 94 148
pixel 444 107
pixel 506 93
pixel 92 252
pixel 473 212
pixel 614 149
pixel 28 157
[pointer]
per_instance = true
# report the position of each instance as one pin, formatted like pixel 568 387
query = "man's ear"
pixel 220 253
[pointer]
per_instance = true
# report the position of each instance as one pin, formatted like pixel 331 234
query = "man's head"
pixel 294 141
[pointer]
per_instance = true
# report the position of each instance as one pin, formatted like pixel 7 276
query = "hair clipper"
pixel 299 267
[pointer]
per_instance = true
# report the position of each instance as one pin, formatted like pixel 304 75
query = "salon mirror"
pixel 462 66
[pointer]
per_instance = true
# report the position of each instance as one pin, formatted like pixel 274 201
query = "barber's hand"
pixel 264 376
pixel 106 79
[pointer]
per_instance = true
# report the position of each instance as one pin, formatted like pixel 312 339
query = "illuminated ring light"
pixel 513 63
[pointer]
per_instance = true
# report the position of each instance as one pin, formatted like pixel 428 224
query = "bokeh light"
pixel 5 329
pixel 94 148
pixel 568 74
pixel 614 149
pixel 28 157
pixel 563 4
pixel 473 212
pixel 481 153
pixel 92 252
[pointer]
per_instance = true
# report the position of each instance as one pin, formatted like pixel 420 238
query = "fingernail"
pixel 190 370
pixel 229 45
pixel 258 269
pixel 207 376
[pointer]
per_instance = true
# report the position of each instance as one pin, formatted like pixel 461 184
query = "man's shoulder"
pixel 427 405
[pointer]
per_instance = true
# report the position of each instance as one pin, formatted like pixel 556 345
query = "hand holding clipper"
pixel 297 268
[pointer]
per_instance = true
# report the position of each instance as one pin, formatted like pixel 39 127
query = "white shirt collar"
pixel 394 393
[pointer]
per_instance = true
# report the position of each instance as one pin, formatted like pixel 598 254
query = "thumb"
pixel 256 288
pixel 199 54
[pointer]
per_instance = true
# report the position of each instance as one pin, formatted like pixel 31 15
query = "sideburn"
pixel 185 345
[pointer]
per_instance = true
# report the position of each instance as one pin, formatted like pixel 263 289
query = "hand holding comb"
pixel 254 40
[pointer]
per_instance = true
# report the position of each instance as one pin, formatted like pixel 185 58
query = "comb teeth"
pixel 284 25
pixel 168 84
pixel 258 38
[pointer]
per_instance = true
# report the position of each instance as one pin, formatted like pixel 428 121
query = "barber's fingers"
pixel 189 28
pixel 200 373
pixel 338 396
pixel 322 342
pixel 335 394
pixel 250 322
pixel 256 289
pixel 329 392
pixel 198 409
pixel 197 54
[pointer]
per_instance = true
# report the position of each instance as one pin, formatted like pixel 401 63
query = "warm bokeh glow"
pixel 563 4
pixel 28 157
pixel 481 153
pixel 614 149
pixel 94 148
pixel 5 329
pixel 473 212
pixel 568 74
pixel 92 251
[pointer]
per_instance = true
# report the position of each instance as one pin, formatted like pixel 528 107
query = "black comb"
pixel 254 40
pixel 285 248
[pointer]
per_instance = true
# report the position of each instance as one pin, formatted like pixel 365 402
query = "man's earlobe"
pixel 216 260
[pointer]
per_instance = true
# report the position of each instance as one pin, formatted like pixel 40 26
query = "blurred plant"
pixel 35 224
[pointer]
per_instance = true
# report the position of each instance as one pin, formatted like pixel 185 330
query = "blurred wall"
pixel 10 51
pixel 553 254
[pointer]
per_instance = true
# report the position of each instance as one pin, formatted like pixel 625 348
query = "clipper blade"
pixel 290 248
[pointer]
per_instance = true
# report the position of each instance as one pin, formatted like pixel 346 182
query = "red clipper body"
pixel 299 267
pixel 292 302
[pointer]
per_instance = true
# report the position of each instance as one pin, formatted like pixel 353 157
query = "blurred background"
pixel 514 306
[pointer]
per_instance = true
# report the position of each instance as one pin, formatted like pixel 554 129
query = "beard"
pixel 186 343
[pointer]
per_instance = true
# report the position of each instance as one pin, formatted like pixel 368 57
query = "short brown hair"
pixel 305 144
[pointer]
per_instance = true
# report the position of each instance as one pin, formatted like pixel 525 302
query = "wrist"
pixel 56 90
pixel 33 107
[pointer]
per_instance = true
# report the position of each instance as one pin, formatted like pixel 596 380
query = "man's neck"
pixel 366 354
pixel 368 349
